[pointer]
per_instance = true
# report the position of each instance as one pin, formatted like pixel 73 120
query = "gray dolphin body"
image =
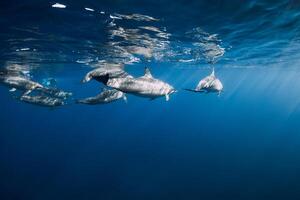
pixel 107 96
pixel 42 100
pixel 54 92
pixel 16 80
pixel 42 96
pixel 19 82
pixel 144 86
pixel 209 84
pixel 102 74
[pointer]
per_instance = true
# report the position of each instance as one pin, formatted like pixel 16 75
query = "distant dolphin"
pixel 40 95
pixel 54 92
pixel 104 97
pixel 144 86
pixel 16 81
pixel 42 100
pixel 209 84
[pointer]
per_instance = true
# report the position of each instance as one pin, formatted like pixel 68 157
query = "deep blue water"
pixel 243 144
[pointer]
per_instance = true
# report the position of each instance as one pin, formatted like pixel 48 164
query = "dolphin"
pixel 106 96
pixel 144 86
pixel 15 80
pixel 42 100
pixel 102 74
pixel 54 92
pixel 209 84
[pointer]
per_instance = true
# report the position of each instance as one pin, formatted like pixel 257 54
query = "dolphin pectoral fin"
pixel 26 92
pixel 219 93
pixel 125 98
pixel 213 72
pixel 12 90
pixel 167 97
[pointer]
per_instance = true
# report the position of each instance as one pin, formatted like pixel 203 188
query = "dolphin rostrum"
pixel 209 84
pixel 106 96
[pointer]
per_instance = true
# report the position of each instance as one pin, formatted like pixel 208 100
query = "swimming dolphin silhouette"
pixel 16 81
pixel 106 96
pixel 102 74
pixel 144 86
pixel 208 84
pixel 42 100
pixel 54 92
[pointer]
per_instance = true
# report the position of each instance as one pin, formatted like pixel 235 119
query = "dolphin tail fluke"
pixel 26 92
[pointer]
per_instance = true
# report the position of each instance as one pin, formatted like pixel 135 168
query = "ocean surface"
pixel 241 144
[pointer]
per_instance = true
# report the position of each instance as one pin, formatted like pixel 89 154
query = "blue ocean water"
pixel 241 144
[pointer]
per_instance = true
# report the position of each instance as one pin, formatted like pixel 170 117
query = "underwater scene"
pixel 148 100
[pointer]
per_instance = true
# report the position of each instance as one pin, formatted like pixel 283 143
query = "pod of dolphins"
pixel 31 91
pixel 111 76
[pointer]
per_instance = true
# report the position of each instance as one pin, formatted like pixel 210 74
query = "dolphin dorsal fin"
pixel 213 72
pixel 148 73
